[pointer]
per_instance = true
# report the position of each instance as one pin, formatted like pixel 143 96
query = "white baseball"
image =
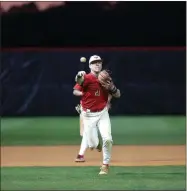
pixel 83 59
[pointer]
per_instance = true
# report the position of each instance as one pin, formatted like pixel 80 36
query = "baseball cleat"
pixel 80 158
pixel 104 169
pixel 99 147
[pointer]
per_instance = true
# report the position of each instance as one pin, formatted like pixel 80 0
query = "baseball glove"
pixel 105 79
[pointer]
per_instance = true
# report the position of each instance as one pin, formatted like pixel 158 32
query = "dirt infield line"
pixel 65 155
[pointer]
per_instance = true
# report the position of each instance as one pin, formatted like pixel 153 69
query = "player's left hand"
pixel 105 79
pixel 108 85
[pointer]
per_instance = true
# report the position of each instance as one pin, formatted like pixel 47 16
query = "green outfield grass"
pixel 65 130
pixel 87 178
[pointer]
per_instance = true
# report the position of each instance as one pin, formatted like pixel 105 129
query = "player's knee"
pixel 107 141
pixel 107 138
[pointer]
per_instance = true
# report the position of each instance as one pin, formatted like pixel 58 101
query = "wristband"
pixel 113 90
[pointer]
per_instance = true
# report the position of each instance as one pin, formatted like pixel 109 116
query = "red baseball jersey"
pixel 94 97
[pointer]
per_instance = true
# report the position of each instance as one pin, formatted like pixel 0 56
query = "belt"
pixel 92 111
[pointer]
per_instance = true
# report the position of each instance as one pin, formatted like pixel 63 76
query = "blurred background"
pixel 104 23
pixel 142 43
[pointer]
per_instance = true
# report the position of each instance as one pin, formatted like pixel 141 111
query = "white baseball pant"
pixel 84 143
pixel 100 120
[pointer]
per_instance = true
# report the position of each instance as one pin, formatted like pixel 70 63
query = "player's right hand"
pixel 80 77
pixel 81 73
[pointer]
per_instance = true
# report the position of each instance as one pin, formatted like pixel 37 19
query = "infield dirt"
pixel 65 155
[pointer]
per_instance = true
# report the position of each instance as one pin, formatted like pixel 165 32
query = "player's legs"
pixel 84 144
pixel 83 147
pixel 104 126
pixel 81 125
pixel 90 130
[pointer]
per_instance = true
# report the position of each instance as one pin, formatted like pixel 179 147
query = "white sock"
pixel 84 145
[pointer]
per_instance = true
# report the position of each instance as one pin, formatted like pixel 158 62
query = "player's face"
pixel 96 66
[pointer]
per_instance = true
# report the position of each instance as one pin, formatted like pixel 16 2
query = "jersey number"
pixel 97 93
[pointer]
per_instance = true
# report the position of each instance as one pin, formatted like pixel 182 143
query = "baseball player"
pixel 94 108
pixel 84 143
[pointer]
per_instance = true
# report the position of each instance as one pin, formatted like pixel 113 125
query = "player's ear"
pixel 90 66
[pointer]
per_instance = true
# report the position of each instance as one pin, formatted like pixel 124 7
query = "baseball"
pixel 83 59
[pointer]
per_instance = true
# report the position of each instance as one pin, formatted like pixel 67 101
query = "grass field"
pixel 86 178
pixel 158 130
pixel 168 130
